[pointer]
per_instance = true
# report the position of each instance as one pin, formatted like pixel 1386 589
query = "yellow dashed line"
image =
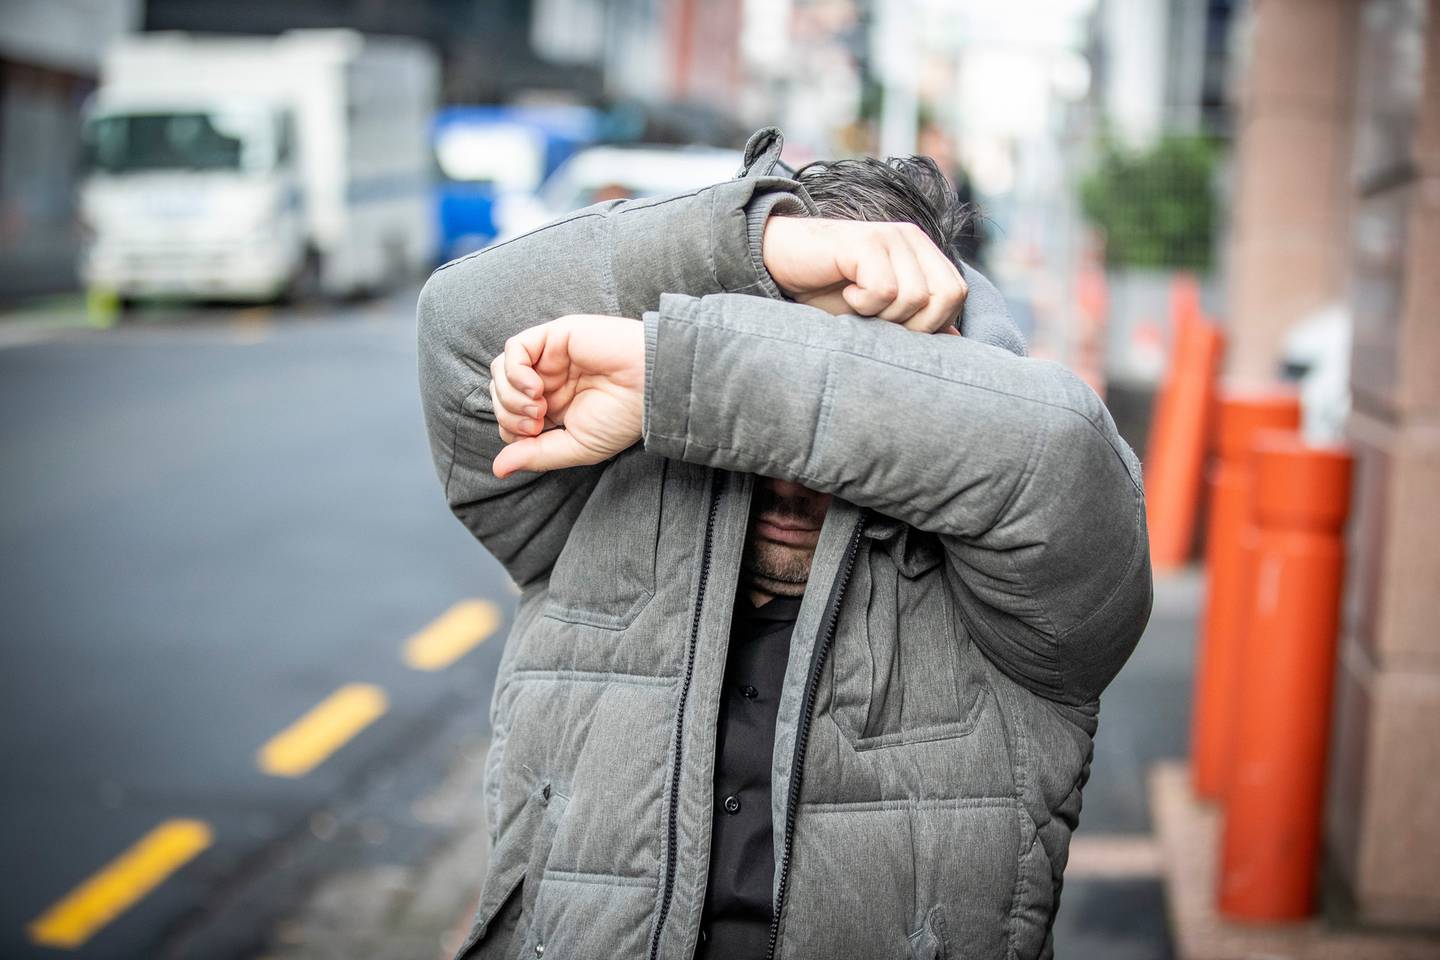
pixel 461 628
pixel 116 887
pixel 293 752
pixel 254 316
pixel 304 745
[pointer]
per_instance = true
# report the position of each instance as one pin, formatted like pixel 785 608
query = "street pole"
pixel 897 54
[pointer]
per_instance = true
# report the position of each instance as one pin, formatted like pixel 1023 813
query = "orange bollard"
pixel 1227 592
pixel 1271 841
pixel 1175 460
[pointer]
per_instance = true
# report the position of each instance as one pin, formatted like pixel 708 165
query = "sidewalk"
pixel 1190 834
pixel 39 318
pixel 1113 906
pixel 393 911
pixel 391 870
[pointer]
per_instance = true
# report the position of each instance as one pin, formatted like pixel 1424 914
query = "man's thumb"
pixel 551 450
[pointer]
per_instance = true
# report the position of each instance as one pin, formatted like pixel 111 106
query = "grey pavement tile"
pixel 1113 920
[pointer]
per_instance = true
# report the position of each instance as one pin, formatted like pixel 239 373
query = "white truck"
pixel 256 168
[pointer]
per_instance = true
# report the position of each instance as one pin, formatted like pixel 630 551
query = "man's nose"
pixel 787 488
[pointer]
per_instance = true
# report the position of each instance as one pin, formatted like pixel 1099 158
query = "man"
pixel 665 417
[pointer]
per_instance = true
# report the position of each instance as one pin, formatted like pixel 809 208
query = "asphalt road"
pixel 211 521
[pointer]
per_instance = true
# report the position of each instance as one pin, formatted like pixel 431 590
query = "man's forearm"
pixel 1014 462
pixel 865 410
pixel 612 259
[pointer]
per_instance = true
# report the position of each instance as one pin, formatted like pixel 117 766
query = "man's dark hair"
pixel 897 190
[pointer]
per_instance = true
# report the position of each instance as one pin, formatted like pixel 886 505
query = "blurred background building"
pixel 1280 157
pixel 49 61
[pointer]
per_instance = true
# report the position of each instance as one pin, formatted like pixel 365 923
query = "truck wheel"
pixel 304 286
pixel 397 264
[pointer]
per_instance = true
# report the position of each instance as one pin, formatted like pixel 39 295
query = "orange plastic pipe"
pixel 1271 840
pixel 1175 459
pixel 1227 595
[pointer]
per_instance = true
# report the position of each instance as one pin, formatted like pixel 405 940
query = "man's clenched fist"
pixel 888 270
pixel 583 374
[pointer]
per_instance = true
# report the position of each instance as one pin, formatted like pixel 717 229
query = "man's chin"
pixel 776 588
pixel 778 569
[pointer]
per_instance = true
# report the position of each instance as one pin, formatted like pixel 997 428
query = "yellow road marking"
pixel 461 628
pixel 123 881
pixel 251 326
pixel 304 745
pixel 253 316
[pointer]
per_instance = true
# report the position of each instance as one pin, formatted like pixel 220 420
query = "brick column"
pixel 1383 835
pixel 1292 160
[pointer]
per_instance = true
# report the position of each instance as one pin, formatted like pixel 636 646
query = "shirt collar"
pixel 776 608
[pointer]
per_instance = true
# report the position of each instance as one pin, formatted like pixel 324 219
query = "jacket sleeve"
pixel 613 259
pixel 1013 462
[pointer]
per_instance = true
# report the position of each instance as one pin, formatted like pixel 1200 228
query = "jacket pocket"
pixel 928 943
pixel 606 573
pixel 495 934
pixel 553 804
pixel 507 901
pixel 904 678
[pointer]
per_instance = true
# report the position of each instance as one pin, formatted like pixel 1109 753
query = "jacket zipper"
pixel 670 854
pixel 807 708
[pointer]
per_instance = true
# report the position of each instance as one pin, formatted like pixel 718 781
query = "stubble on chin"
pixel 776 568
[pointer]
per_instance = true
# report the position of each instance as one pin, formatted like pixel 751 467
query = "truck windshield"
pixel 128 143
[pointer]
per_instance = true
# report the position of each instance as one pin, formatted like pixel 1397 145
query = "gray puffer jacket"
pixel 981 575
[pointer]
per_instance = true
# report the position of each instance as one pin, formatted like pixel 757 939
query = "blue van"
pixel 487 157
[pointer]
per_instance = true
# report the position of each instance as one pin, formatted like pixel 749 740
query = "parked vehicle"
pixel 489 158
pixel 614 172
pixel 248 168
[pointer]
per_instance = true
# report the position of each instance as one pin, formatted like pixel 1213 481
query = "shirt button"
pixel 732 804
pixel 749 692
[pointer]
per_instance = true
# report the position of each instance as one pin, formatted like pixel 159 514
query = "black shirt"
pixel 735 924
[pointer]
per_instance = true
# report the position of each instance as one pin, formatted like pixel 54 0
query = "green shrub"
pixel 1156 206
